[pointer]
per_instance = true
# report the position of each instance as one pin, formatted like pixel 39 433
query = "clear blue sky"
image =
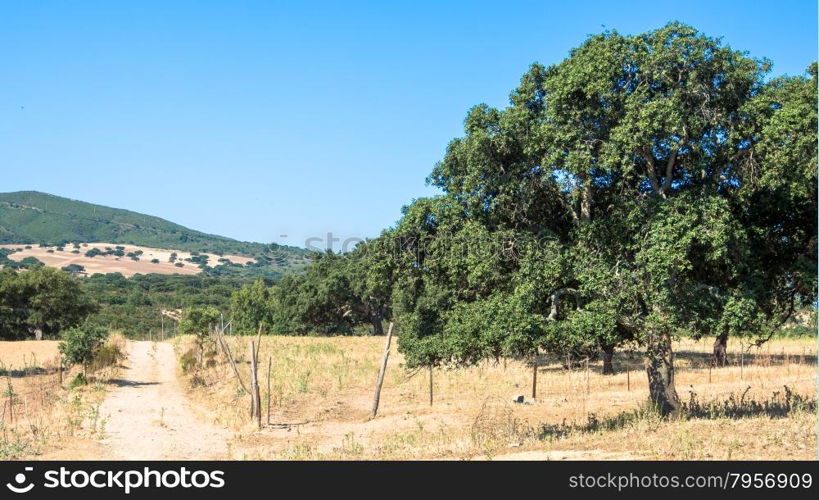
pixel 254 119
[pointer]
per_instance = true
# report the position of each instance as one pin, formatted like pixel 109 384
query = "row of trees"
pixel 337 293
pixel 644 187
pixel 132 305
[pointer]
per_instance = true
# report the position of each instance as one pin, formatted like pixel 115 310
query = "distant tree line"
pixel 336 294
pixel 132 305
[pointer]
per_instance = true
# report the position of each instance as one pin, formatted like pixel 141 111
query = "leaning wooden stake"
pixel 258 341
pixel 226 350
pixel 380 382
pixel 256 404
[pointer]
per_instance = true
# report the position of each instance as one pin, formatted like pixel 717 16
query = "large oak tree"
pixel 668 188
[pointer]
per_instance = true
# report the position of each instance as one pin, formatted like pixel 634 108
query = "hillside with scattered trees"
pixel 30 217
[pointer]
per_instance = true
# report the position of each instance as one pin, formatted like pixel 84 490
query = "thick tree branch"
pixel 555 300
pixel 652 176
pixel 669 171
pixel 569 208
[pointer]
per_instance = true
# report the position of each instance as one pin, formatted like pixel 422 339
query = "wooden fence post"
pixel 741 361
pixel 252 386
pixel 381 372
pixel 430 384
pixel 628 379
pixel 534 376
pixel 269 393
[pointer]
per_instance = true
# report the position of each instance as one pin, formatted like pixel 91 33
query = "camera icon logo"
pixel 20 478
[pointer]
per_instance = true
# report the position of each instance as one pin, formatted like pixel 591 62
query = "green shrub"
pixel 188 361
pixel 107 355
pixel 79 380
pixel 82 344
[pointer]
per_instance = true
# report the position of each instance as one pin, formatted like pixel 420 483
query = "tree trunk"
pixel 38 334
pixel 378 327
pixel 720 349
pixel 660 370
pixel 586 203
pixel 608 354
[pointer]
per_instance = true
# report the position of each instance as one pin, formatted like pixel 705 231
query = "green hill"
pixel 39 218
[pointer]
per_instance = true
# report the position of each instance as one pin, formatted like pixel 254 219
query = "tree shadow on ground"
pixel 634 361
pixel 781 404
pixel 129 383
pixel 26 372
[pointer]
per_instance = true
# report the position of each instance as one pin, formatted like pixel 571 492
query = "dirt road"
pixel 147 416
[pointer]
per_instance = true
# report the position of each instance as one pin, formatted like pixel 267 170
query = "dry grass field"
pixel 23 354
pixel 321 394
pixel 102 264
pixel 39 413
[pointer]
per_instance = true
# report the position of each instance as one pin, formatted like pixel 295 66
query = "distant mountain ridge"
pixel 39 218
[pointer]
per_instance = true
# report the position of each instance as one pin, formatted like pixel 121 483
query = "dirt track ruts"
pixel 147 416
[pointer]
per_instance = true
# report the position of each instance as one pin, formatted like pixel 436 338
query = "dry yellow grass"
pixel 321 395
pixel 39 414
pixel 20 354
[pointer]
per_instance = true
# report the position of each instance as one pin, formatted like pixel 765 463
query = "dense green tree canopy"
pixel 337 294
pixel 645 186
pixel 39 302
pixel 199 320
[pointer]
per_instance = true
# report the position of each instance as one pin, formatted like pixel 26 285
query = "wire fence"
pixel 30 394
